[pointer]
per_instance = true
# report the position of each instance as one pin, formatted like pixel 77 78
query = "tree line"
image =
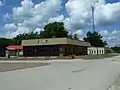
pixel 56 30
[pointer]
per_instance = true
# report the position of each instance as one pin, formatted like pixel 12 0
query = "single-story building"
pixel 96 50
pixel 54 47
pixel 15 50
pixel 2 51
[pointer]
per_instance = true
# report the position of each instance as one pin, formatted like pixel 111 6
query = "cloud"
pixel 33 17
pixel 79 12
pixel 10 27
pixel 24 12
pixel 20 30
pixel 13 30
pixel 112 37
pixel 1 3
pixel 38 30
pixel 80 34
pixel 107 14
pixel 104 32
pixel 59 18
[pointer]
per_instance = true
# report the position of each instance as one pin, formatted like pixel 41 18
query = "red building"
pixel 14 50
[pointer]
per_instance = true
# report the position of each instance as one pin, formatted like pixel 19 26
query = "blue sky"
pixel 23 16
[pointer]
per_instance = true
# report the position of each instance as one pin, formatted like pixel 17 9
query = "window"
pixel 35 50
pixel 73 50
pixel 29 50
pixel 65 50
pixel 55 49
pixel 41 49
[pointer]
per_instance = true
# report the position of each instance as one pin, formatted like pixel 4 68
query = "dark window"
pixel 41 49
pixel 65 50
pixel 30 50
pixel 55 49
pixel 73 50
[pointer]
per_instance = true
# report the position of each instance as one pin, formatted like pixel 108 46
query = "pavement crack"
pixel 79 70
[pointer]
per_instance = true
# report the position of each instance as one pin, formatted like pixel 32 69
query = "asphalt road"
pixel 100 74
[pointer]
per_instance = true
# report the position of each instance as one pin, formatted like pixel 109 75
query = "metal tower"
pixel 93 14
pixel 93 18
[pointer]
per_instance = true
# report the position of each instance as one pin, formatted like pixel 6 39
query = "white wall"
pixel 96 50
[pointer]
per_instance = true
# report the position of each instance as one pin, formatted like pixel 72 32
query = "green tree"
pixel 75 37
pixel 18 39
pixel 5 41
pixel 95 39
pixel 116 49
pixel 55 29
pixel 70 36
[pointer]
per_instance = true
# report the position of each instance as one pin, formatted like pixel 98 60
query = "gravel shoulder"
pixel 16 66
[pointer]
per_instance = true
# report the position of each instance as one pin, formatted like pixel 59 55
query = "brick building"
pixel 54 47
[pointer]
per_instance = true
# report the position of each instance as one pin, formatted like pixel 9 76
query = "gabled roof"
pixel 15 47
pixel 54 41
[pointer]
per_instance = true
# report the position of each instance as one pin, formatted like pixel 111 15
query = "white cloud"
pixel 24 12
pixel 32 17
pixel 104 32
pixel 48 7
pixel 59 18
pixel 7 16
pixel 80 34
pixel 13 30
pixel 19 30
pixel 107 14
pixel 115 32
pixel 1 3
pixel 112 37
pixel 79 12
pixel 11 27
pixel 38 30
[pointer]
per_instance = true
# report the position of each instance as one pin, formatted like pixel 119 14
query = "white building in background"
pixel 96 50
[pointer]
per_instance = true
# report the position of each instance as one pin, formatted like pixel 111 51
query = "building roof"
pixel 15 47
pixel 53 41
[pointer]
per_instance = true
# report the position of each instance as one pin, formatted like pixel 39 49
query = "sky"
pixel 24 16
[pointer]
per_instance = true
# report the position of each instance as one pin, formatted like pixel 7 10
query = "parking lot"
pixel 97 74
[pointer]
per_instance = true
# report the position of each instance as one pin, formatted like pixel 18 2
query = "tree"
pixel 55 29
pixel 18 39
pixel 95 39
pixel 116 49
pixel 5 41
pixel 75 37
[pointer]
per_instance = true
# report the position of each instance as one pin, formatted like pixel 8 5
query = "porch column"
pixel 61 51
